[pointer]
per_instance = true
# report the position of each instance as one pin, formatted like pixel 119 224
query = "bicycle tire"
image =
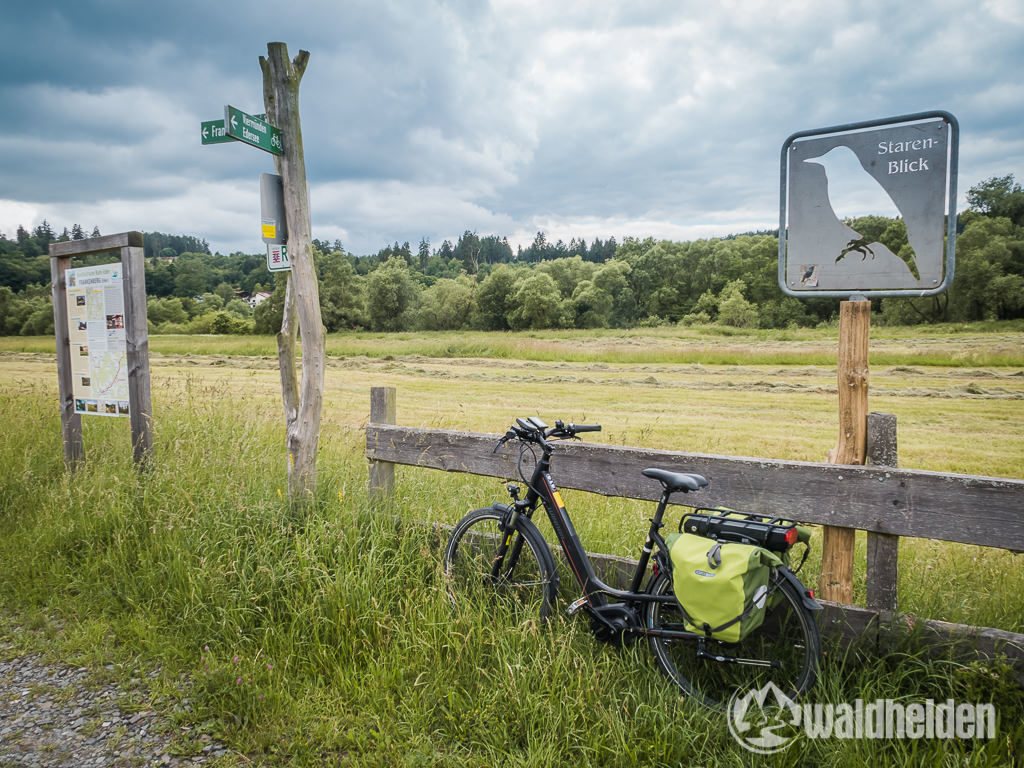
pixel 526 580
pixel 789 635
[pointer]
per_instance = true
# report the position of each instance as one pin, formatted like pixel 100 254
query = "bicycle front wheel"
pixel 784 651
pixel 485 564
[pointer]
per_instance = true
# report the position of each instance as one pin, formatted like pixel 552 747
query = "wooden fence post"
pixel 836 580
pixel 70 420
pixel 382 473
pixel 883 548
pixel 137 353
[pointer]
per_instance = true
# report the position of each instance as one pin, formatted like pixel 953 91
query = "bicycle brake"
pixel 508 436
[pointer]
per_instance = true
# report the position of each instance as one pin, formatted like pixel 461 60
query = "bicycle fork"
pixel 508 527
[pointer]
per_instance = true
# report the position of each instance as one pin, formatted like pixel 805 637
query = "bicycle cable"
pixel 523 448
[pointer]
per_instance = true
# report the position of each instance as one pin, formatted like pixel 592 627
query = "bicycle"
pixel 498 553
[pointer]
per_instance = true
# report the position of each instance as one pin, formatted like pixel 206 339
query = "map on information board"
pixel 99 358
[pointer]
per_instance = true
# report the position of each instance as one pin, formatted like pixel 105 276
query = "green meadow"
pixel 323 636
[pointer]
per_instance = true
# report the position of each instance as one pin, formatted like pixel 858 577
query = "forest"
pixel 479 282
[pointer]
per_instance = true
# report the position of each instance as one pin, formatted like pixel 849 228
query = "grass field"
pixel 347 649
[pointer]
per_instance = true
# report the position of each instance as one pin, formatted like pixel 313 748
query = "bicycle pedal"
pixel 576 605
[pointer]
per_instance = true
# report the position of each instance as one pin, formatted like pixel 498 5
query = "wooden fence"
pixel 885 501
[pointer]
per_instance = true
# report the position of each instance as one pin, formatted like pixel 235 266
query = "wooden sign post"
pixel 836 580
pixel 128 245
pixel 303 403
pixel 910 162
pixel 278 131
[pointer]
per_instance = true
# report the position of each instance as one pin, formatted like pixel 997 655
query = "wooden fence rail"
pixel 884 501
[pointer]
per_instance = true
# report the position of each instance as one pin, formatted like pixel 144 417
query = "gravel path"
pixel 54 715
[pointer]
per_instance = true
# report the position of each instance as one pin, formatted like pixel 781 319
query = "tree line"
pixel 479 282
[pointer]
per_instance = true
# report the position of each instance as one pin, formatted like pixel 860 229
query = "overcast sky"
pixel 424 119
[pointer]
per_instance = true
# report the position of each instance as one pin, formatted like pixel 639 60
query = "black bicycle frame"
pixel 595 592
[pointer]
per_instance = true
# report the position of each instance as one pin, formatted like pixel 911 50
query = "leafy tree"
pixel 447 305
pixel 538 250
pixel 784 312
pixel 998 197
pixel 734 309
pixel 226 292
pixel 170 310
pixel 494 250
pixel 18 272
pixel 467 250
pixel 538 304
pixel 592 305
pixel 342 293
pixel 267 316
pixel 44 235
pixel 568 273
pixel 28 244
pixel 167 245
pixel 612 277
pixel 211 303
pixel 238 308
pixel 391 294
pixel 495 299
pixel 38 323
pixel 423 254
pixel 191 277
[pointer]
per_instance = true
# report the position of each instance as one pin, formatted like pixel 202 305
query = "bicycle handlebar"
pixel 533 430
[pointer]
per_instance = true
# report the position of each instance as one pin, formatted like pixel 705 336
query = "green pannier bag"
pixel 721 585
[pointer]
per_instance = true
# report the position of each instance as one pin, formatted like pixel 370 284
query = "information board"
pixel 96 330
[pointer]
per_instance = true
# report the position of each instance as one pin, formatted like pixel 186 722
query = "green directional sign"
pixel 212 132
pixel 252 130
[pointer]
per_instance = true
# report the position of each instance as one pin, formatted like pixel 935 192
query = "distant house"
pixel 258 298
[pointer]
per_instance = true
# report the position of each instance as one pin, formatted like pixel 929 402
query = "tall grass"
pixel 325 638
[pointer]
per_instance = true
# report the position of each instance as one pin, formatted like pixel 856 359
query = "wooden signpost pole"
pixel 279 132
pixel 303 401
pixel 836 580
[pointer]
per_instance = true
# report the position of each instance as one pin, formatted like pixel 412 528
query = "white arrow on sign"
pixel 234 122
pixel 204 132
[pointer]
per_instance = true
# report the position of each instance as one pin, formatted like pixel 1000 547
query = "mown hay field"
pixel 347 648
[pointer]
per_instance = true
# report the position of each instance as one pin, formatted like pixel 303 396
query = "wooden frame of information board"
pixel 128 245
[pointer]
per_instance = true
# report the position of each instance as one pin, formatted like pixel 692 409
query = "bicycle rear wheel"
pixel 521 575
pixel 783 651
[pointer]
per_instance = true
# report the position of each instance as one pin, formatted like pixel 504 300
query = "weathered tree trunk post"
pixel 883 548
pixel 302 405
pixel 836 580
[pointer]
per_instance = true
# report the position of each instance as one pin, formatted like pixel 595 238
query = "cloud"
pixel 430 118
pixel 383 212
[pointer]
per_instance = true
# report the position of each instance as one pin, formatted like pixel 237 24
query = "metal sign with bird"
pixel 865 210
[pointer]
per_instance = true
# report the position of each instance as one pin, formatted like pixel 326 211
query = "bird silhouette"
pixel 848 183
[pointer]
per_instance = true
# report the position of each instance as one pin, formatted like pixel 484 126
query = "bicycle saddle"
pixel 676 481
